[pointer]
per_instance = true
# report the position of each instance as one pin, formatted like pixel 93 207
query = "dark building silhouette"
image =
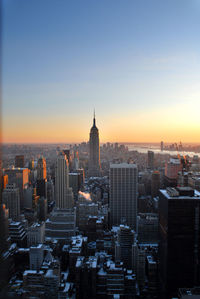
pixel 42 209
pixel 155 183
pixel 41 188
pixel 150 159
pixel 179 247
pixel 3 228
pixel 19 161
pixel 94 158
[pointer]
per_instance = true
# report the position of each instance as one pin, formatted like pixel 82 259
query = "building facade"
pixel 64 194
pixel 123 194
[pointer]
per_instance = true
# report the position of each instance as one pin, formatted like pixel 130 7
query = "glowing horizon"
pixel 155 125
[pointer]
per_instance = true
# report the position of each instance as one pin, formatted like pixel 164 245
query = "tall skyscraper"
pixel 62 220
pixel 155 183
pixel 123 194
pixel 150 159
pixel 41 178
pixel 69 154
pixel 64 194
pixel 76 161
pixel 179 246
pixel 41 169
pixel 94 158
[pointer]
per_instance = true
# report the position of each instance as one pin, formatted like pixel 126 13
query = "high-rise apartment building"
pixel 147 228
pixel 11 199
pixel 36 234
pixel 75 182
pixel 179 246
pixel 36 257
pixel 64 194
pixel 123 194
pixel 94 158
pixel 61 224
pixel 124 245
pixel 41 169
pixel 172 169
pixel 20 177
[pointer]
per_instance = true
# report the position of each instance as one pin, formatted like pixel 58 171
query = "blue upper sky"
pixel 126 58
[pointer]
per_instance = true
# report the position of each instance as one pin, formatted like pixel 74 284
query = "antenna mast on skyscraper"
pixel 94 120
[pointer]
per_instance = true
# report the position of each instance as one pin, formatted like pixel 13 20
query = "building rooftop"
pixel 174 161
pixel 150 259
pixel 180 193
pixel 190 292
pixel 123 165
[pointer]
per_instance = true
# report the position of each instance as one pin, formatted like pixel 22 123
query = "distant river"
pixel 156 150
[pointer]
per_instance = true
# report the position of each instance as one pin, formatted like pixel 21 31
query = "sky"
pixel 137 62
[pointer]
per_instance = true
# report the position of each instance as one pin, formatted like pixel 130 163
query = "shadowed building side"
pixel 94 157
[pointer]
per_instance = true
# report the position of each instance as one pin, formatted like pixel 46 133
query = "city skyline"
pixel 87 140
pixel 136 63
pixel 100 157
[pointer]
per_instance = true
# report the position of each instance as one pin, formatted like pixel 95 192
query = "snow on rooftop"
pixel 33 272
pixel 67 287
pixel 167 195
pixel 50 273
pixel 102 272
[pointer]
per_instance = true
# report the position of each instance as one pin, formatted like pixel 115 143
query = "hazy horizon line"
pixel 119 142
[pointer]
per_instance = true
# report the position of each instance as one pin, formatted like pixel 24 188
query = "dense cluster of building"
pixel 125 227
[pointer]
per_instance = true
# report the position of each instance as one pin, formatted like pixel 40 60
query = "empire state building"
pixel 94 158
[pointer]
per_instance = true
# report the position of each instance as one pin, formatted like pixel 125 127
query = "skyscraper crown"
pixel 94 127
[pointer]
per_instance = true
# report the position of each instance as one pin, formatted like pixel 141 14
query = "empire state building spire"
pixel 94 120
pixel 94 158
